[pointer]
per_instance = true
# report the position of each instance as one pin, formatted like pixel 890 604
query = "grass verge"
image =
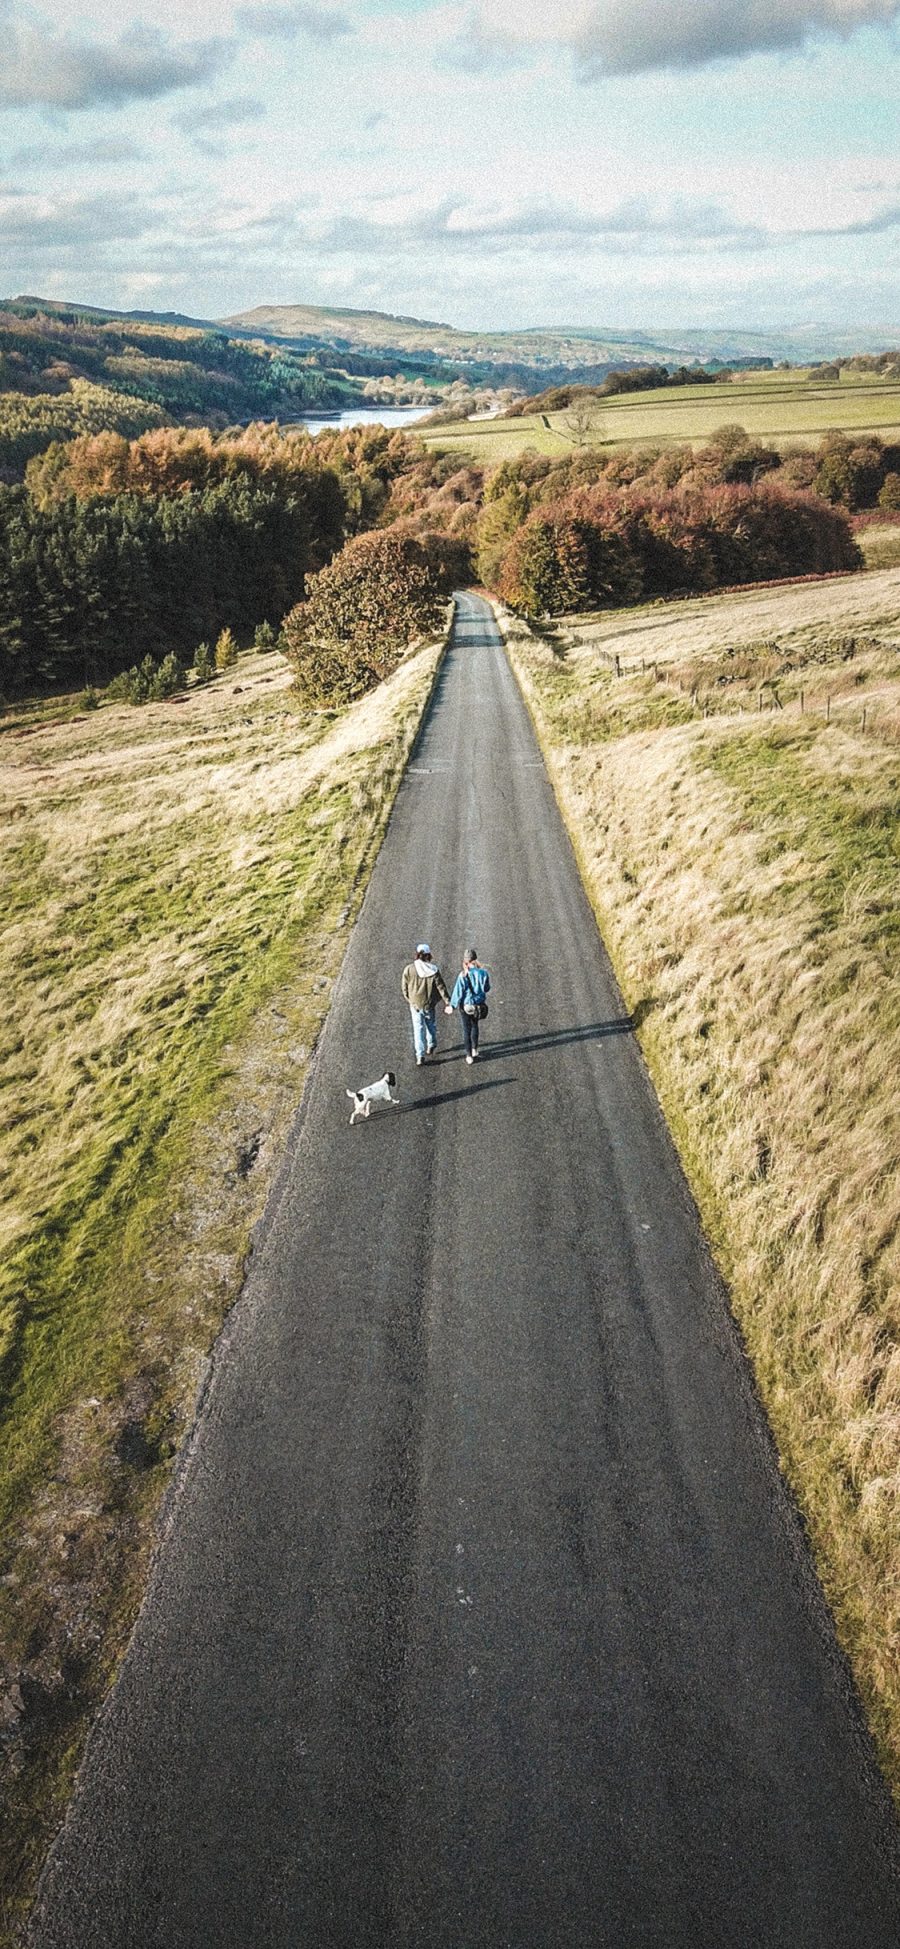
pixel 879 541
pixel 178 883
pixel 743 864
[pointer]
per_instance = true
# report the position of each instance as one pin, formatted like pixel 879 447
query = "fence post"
pixel 828 708
pixel 618 665
pixel 759 698
pixel 802 702
pixel 865 708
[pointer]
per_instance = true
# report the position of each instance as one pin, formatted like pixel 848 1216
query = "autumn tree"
pixel 502 514
pixel 361 613
pixel 225 650
pixel 592 549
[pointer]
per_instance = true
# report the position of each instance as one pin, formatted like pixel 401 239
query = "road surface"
pixel 483 1619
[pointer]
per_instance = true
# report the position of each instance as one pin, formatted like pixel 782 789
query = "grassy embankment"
pixel 178 883
pixel 744 864
pixel 880 543
pixel 780 407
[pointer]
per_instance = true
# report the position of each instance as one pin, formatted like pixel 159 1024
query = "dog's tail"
pixel 351 1094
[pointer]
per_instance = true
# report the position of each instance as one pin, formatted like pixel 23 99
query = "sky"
pixel 491 164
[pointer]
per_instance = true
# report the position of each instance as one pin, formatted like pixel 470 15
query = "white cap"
pixel 423 948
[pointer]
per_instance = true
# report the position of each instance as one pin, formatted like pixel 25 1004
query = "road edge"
pixel 714 1228
pixel 24 1903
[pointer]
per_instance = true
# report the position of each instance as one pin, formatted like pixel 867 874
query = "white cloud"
pixel 876 225
pixel 102 152
pixel 637 225
pixel 441 232
pixel 427 192
pixel 44 70
pixel 60 228
pixel 621 37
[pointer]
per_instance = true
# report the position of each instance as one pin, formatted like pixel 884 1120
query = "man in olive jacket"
pixel 422 984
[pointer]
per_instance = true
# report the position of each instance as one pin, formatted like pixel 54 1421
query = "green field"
pixel 780 407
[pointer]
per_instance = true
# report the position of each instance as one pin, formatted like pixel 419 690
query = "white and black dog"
pixel 384 1091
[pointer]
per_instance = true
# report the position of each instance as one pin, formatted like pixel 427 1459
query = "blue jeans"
pixel 424 1031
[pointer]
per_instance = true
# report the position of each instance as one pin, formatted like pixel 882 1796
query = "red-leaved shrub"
pixel 595 547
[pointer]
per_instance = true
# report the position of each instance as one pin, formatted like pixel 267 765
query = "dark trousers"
pixel 470 1026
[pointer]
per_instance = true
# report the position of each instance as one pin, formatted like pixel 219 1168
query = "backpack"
pixel 475 1003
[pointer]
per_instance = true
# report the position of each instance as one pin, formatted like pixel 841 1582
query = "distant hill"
pixel 377 342
pixel 185 366
pixel 287 361
pixel 68 369
pixel 27 305
pixel 332 342
pixel 547 354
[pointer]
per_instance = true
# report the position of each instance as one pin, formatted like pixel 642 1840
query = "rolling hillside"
pixel 183 368
pixel 549 353
pixel 785 408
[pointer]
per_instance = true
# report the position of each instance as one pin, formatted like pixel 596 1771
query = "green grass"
pixel 848 836
pixel 120 1093
pixel 779 407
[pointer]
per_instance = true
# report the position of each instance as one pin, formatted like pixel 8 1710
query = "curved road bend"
pixel 483 1619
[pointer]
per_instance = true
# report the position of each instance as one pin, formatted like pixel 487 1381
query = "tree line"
pixel 612 526
pixel 31 422
pixel 591 547
pixel 622 379
pixel 116 550
pixel 180 371
pixel 853 471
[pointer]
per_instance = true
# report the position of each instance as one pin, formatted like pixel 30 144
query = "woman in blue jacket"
pixel 469 995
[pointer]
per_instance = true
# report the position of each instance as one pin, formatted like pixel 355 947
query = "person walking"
pixel 422 983
pixel 470 993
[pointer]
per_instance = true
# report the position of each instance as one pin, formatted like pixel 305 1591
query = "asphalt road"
pixel 483 1618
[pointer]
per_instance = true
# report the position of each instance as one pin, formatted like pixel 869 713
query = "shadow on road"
pixel 453 1096
pixel 515 1045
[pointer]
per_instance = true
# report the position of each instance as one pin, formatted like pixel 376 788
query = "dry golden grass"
pixel 744 869
pixel 178 882
pixel 151 856
pixel 669 632
pixel 880 544
pixel 826 649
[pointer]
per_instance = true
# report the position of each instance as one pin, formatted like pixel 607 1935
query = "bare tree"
pixel 580 424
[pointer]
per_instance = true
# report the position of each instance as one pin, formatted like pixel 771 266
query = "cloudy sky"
pixel 489 163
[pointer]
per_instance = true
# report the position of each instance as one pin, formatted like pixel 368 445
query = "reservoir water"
pixel 369 416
